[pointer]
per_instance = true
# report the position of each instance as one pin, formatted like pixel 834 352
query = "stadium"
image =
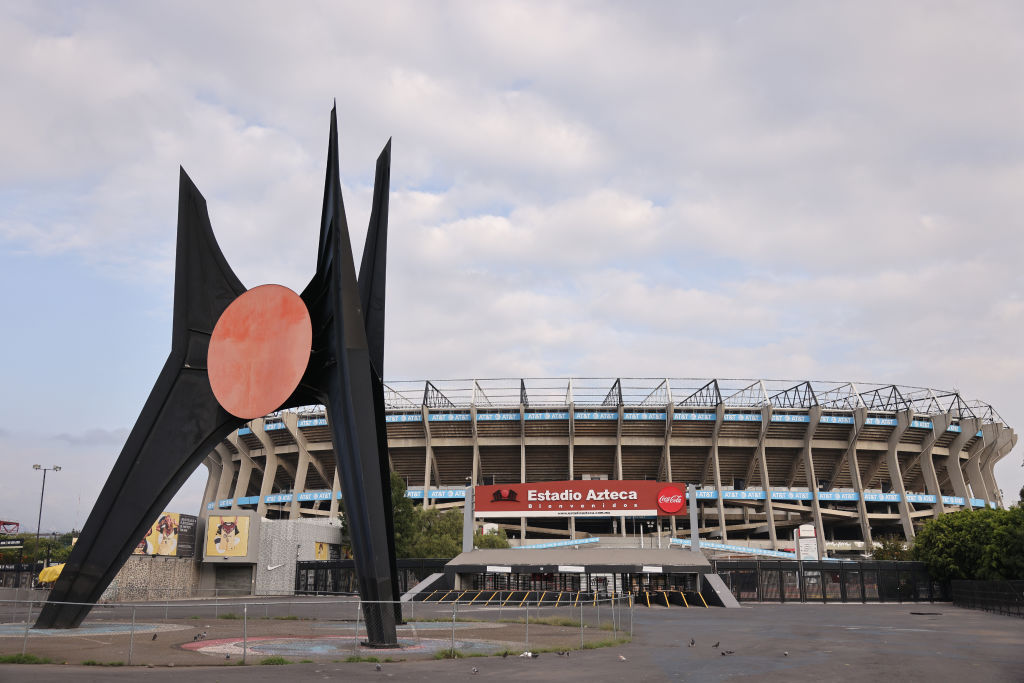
pixel 856 461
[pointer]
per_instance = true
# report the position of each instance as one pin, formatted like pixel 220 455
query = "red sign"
pixel 671 500
pixel 580 499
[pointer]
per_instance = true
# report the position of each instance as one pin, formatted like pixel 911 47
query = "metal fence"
pixel 229 631
pixel 1002 597
pixel 325 577
pixel 794 581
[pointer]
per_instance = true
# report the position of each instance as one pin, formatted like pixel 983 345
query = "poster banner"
pixel 599 498
pixel 173 535
pixel 227 536
pixel 323 551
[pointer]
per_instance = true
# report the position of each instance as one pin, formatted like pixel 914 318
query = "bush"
pixel 276 661
pixel 23 659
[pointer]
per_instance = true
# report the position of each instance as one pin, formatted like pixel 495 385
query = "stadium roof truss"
pixel 683 393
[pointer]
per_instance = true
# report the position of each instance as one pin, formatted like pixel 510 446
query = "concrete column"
pixel 213 472
pixel 931 478
pixel 665 468
pixel 270 467
pixel 522 463
pixel 335 490
pixel 719 416
pixel 475 476
pixel 968 428
pixel 428 456
pixel 762 464
pixel 618 458
pixel 227 473
pixel 1002 447
pixel 860 415
pixel 903 420
pixel 572 466
pixel 301 469
pixel 989 437
pixel 242 483
pixel 814 413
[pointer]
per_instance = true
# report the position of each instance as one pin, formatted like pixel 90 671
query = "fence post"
pixel 455 606
pixel 527 625
pixel 245 631
pixel 28 623
pixel 359 608
pixel 216 603
pixel 631 619
pixel 581 625
pixel 131 639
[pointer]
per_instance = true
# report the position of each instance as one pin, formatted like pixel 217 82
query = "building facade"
pixel 856 461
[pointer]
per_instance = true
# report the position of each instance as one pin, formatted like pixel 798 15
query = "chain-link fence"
pixel 301 628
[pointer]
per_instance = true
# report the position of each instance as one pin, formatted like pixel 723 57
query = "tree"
pixel 981 544
pixel 890 548
pixel 491 539
pixel 421 532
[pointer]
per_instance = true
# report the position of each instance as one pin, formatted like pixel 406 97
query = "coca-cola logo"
pixel 671 500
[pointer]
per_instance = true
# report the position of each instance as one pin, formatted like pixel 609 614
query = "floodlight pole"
pixel 42 492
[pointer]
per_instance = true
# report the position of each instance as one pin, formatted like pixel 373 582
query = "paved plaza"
pixel 773 642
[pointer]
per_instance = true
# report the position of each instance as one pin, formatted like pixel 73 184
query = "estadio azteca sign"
pixel 580 499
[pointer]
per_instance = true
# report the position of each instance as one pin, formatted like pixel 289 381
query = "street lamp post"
pixel 42 492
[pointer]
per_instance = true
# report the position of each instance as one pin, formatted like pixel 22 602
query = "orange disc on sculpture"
pixel 259 350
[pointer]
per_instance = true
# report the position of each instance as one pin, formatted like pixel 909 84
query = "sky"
pixel 789 190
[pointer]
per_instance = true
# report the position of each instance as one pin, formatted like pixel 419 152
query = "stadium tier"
pixel 856 461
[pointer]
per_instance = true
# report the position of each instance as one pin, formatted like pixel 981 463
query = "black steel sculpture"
pixel 182 420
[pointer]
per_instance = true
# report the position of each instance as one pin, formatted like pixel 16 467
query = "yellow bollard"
pixel 683 596
pixel 702 599
pixel 559 598
pixel 524 597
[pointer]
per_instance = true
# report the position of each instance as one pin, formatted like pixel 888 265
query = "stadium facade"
pixel 856 461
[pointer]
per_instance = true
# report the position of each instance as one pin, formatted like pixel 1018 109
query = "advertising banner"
pixel 581 499
pixel 227 536
pixel 173 535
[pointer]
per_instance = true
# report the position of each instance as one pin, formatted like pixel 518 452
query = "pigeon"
pixel 692 642
pixel 727 652
pixel 476 670
pixel 227 656
pixel 785 654
pixel 154 636
pixel 504 654
pixel 195 637
pixel 378 667
pixel 563 653
pixel 621 658
pixel 526 654
pixel 717 644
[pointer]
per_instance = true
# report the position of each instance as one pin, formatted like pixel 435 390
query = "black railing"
pixel 331 577
pixel 792 581
pixel 1003 597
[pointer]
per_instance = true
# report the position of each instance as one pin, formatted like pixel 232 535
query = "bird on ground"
pixel 476 670
pixel 717 644
pixel 785 654
pixel 154 636
pixel 227 656
pixel 504 655
pixel 378 667
pixel 692 642
pixel 622 659
pixel 727 652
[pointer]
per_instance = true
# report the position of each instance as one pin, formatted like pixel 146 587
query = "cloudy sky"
pixel 779 190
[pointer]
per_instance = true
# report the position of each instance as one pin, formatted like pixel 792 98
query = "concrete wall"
pixel 145 577
pixel 284 541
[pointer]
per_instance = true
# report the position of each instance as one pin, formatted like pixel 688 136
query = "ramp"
pixel 718 593
pixel 427 585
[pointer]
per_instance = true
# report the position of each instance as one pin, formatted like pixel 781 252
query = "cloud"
pixel 806 192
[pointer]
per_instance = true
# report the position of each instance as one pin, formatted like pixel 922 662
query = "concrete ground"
pixel 824 642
